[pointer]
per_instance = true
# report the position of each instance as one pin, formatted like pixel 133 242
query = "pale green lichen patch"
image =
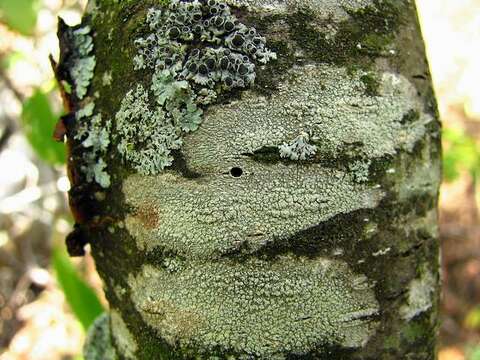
pixel 107 78
pixel 420 295
pixel 94 135
pixel 137 123
pixel 123 338
pixel 85 111
pixel 360 170
pixel 325 101
pixel 220 214
pixel 298 149
pixel 263 310
pixel 83 65
pixel 196 51
pixel 333 9
pixel 91 132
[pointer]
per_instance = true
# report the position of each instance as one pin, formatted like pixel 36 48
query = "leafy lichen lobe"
pixel 196 51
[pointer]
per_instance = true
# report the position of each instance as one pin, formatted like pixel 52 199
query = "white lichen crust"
pixel 199 296
pixel 261 309
pixel 123 338
pixel 220 214
pixel 336 10
pixel 420 295
pixel 325 101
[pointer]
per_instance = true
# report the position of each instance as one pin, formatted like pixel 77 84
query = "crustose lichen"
pixel 196 49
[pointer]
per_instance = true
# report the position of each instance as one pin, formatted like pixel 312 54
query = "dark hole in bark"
pixel 236 172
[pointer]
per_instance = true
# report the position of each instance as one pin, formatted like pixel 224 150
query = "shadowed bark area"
pixel 257 179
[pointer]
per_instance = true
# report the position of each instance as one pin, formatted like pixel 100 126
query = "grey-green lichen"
pixel 219 214
pixel 154 132
pixel 86 111
pixel 360 169
pixel 91 132
pixel 107 78
pixel 201 223
pixel 94 135
pixel 196 50
pixel 98 344
pixel 324 101
pixel 123 338
pixel 84 62
pixel 420 295
pixel 298 149
pixel 259 309
pixel 334 9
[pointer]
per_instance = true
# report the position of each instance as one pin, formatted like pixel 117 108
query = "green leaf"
pixel 472 320
pixel 473 353
pixel 19 15
pixel 461 153
pixel 82 299
pixel 11 59
pixel 38 123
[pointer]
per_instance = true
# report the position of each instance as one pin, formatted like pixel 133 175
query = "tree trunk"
pixel 258 179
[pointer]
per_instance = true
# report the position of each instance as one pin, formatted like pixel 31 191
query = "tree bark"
pixel 257 179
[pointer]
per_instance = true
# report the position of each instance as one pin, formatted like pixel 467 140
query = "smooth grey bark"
pixel 298 216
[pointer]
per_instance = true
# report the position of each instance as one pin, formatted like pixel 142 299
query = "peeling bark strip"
pixel 258 179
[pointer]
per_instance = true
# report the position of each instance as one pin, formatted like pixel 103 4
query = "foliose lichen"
pixel 85 111
pixel 83 66
pixel 298 149
pixel 91 133
pixel 94 135
pixel 196 50
pixel 360 170
pixel 156 134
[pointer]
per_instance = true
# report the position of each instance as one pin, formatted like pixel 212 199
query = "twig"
pixel 7 131
pixel 18 94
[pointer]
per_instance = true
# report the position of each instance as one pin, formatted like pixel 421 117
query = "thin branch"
pixel 9 84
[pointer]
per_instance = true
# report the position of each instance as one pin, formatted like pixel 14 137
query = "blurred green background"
pixel 47 300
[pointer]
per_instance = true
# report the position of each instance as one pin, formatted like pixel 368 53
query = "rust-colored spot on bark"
pixel 60 131
pixel 148 216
